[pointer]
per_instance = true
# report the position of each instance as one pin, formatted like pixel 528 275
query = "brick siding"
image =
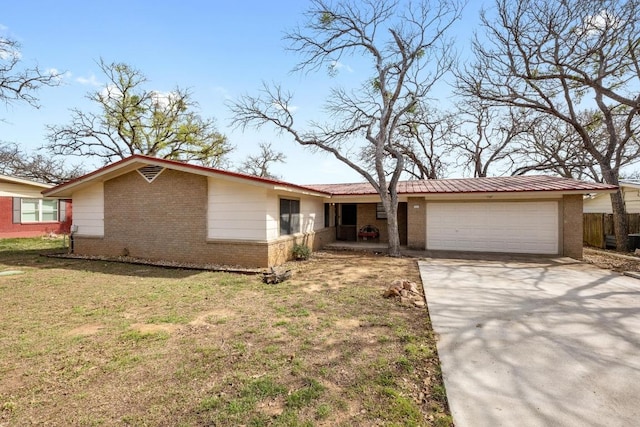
pixel 166 220
pixel 366 215
pixel 417 223
pixel 572 226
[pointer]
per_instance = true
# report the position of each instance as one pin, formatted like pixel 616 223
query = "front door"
pixel 347 222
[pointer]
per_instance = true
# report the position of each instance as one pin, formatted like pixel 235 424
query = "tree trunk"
pixel 620 222
pixel 391 208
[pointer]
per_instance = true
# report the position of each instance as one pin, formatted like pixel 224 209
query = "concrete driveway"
pixel 536 343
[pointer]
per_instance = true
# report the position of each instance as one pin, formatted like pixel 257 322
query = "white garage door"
pixel 517 227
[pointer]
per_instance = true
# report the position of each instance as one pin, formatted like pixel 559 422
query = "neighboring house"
pixel 601 203
pixel 166 210
pixel 598 217
pixel 25 213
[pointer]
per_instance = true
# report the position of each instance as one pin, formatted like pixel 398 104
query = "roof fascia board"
pixel 449 196
pixel 134 163
pixel 14 180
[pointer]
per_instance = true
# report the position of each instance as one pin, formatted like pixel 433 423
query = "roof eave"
pixel 15 180
pixel 484 193
pixel 132 163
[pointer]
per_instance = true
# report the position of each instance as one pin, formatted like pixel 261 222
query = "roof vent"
pixel 150 172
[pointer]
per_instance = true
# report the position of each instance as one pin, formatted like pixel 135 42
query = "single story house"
pixel 160 209
pixel 24 212
pixel 601 202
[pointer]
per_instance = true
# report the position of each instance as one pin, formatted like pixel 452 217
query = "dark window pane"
pixel 289 216
pixel 327 212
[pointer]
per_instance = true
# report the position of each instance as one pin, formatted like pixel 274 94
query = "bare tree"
pixel 558 57
pixel 133 120
pixel 36 167
pixel 17 83
pixel 484 138
pixel 408 52
pixel 421 141
pixel 552 145
pixel 259 164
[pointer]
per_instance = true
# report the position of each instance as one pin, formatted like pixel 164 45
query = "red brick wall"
pixel 166 220
pixel 8 229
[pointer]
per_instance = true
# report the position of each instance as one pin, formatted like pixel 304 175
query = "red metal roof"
pixel 506 184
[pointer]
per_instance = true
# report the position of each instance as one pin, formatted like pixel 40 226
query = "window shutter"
pixel 62 210
pixel 16 210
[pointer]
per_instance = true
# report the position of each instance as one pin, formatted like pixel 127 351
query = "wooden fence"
pixel 598 226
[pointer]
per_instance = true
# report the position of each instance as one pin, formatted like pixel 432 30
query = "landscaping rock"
pixel 406 291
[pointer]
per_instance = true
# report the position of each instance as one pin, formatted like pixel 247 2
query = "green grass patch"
pixel 33 244
pixel 140 337
pixel 305 395
pixel 168 318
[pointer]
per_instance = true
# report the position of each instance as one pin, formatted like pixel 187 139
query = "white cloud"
pixel 222 91
pixel 599 23
pixel 162 99
pixel 337 65
pixel 57 74
pixel 10 54
pixel 111 91
pixel 88 81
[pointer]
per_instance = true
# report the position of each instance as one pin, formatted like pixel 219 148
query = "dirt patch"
pixel 611 260
pixel 213 317
pixel 89 329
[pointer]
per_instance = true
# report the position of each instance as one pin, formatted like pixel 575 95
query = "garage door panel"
pixel 518 227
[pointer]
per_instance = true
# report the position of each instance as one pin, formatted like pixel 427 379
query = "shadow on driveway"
pixel 536 343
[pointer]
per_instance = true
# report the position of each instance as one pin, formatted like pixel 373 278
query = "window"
pixel 34 210
pixel 289 216
pixel 380 212
pixel 327 215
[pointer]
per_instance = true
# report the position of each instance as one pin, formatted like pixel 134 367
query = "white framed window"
pixel 37 210
pixel 289 216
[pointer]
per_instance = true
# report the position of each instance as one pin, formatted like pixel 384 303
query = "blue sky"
pixel 219 50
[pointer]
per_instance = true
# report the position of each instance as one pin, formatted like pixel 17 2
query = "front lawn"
pixel 100 343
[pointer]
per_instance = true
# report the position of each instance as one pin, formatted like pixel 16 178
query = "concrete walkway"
pixel 536 343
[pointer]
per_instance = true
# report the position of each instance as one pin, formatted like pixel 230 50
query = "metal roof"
pixel 506 184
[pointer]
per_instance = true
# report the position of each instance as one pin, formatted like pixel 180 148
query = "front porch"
pixel 366 224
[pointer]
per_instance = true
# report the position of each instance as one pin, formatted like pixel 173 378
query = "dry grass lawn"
pixel 93 343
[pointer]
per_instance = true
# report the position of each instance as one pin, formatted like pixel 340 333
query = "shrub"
pixel 301 252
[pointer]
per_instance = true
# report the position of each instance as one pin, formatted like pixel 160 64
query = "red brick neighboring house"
pixel 24 212
pixel 159 209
